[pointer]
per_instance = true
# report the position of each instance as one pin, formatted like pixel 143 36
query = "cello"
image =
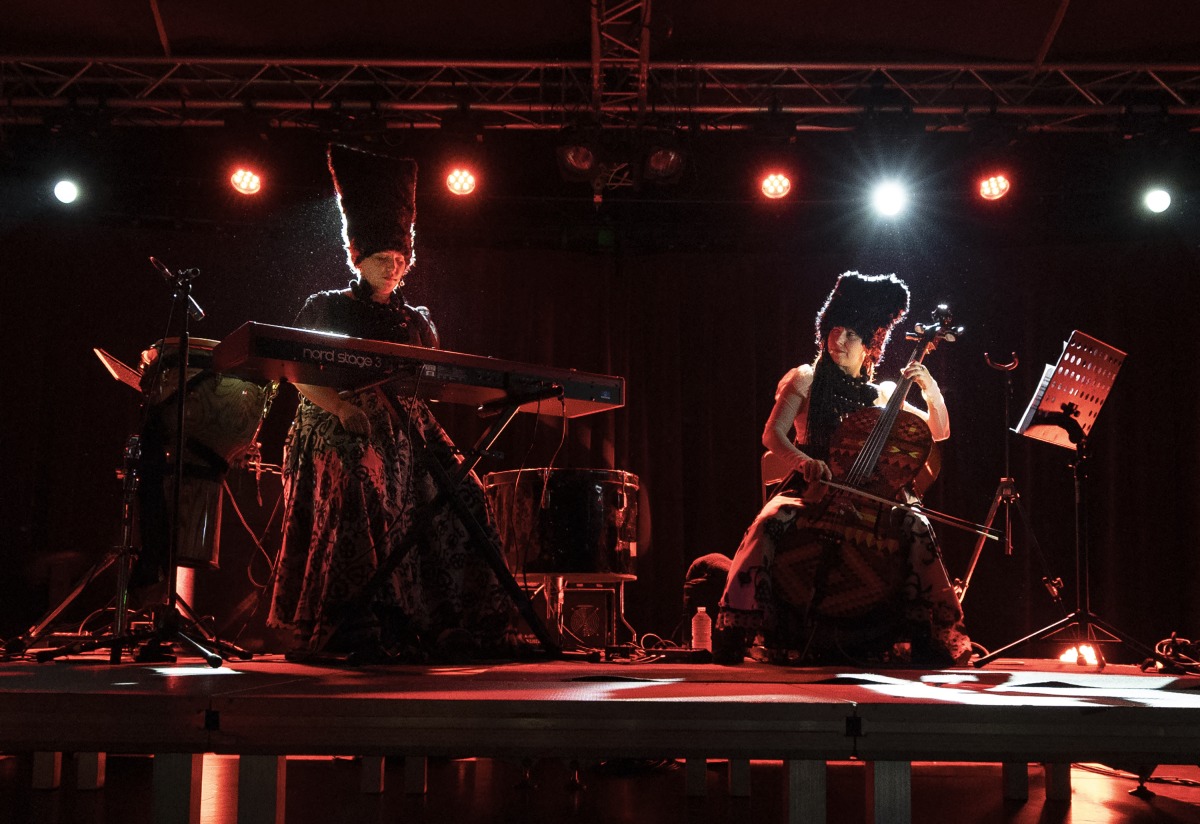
pixel 843 558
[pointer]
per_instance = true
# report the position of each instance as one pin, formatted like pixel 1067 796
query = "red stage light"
pixel 246 181
pixel 776 185
pixel 460 182
pixel 994 187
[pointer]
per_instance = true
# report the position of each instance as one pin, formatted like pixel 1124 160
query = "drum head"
pixel 159 366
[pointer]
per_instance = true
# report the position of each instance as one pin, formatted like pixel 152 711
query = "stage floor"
pixel 1012 712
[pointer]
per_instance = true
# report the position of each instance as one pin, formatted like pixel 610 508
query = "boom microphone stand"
pixel 167 616
pixel 173 619
pixel 1062 412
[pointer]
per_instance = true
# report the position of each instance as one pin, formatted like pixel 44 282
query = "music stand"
pixel 1062 412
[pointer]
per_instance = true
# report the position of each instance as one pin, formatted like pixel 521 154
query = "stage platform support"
pixel 1016 781
pixel 262 789
pixel 804 718
pixel 806 790
pixel 177 784
pixel 90 770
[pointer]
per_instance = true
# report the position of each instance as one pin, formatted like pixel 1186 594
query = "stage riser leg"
pixel 889 792
pixel 371 780
pixel 416 775
pixel 177 783
pixel 90 770
pixel 696 772
pixel 47 770
pixel 739 778
pixel 1016 782
pixel 262 789
pixel 806 791
pixel 1058 782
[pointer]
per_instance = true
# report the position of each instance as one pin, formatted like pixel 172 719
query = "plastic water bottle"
pixel 701 630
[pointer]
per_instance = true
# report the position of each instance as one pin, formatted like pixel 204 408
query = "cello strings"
pixel 868 457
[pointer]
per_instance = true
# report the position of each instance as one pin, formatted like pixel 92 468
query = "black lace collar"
pixel 834 396
pixel 362 292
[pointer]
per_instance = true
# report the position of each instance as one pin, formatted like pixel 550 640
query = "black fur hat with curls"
pixel 377 196
pixel 869 304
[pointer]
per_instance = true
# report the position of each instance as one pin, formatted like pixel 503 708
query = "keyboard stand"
pixel 484 539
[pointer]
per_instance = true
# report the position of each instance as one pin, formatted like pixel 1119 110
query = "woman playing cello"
pixel 883 598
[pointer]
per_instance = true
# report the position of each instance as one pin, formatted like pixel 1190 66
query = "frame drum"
pixel 575 523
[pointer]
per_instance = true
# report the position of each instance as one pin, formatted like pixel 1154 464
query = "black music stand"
pixel 1062 412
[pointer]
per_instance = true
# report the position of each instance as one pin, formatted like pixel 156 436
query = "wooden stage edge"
pixel 1012 712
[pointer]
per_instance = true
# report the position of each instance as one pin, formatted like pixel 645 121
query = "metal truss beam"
pixel 620 88
pixel 620 61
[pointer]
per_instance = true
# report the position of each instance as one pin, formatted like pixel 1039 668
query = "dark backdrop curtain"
pixel 702 336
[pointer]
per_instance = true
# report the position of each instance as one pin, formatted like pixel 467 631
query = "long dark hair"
pixel 834 395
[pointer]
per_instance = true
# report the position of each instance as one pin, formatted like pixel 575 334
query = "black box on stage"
pixel 589 615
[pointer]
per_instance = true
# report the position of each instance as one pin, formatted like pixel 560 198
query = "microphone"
pixel 184 276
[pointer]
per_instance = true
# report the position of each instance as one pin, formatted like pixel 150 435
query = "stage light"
pixel 664 156
pixel 246 181
pixel 664 163
pixel 994 187
pixel 460 182
pixel 889 198
pixel 578 162
pixel 1086 651
pixel 1157 200
pixel 776 185
pixel 578 152
pixel 66 191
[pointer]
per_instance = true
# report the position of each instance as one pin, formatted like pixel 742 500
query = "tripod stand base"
pixel 170 626
pixel 1087 623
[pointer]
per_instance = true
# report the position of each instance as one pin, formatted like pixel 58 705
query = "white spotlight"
pixel 1157 200
pixel 889 198
pixel 66 191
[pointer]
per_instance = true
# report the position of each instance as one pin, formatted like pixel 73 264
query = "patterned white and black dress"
pixel 350 500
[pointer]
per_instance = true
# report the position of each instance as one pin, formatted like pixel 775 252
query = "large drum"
pixel 220 416
pixel 580 524
pixel 221 413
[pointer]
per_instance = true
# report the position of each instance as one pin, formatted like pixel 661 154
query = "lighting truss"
pixel 620 61
pixel 619 88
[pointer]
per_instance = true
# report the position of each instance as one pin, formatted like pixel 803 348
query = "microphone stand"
pixel 169 617
pixel 174 618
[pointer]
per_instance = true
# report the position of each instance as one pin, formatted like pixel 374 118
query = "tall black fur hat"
pixel 377 196
pixel 869 304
